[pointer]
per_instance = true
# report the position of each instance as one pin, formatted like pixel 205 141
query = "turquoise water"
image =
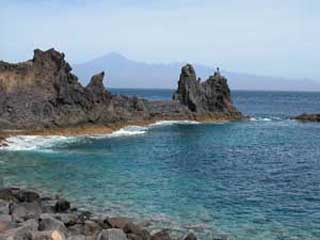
pixel 258 179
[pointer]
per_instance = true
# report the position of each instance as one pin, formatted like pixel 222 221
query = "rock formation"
pixel 43 93
pixel 312 117
pixel 210 96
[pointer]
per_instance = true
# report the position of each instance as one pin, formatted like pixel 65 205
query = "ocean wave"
pixel 128 131
pixel 35 142
pixel 172 122
pixel 265 119
pixel 47 143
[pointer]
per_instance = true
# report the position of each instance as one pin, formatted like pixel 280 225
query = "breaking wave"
pixel 264 119
pixel 46 143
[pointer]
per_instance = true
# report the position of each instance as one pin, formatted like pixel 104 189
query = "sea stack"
pixel 210 96
pixel 43 93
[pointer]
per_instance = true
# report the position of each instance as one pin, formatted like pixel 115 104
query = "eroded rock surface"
pixel 44 93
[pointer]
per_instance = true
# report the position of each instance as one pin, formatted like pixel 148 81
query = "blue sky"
pixel 280 38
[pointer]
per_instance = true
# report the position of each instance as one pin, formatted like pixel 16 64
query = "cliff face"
pixel 43 93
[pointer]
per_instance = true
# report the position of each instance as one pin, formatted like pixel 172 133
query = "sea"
pixel 257 179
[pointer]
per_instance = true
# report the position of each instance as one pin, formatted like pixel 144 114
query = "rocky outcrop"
pixel 38 219
pixel 43 93
pixel 313 117
pixel 210 96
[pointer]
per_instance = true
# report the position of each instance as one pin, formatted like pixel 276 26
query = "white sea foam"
pixel 129 131
pixel 34 142
pixel 264 119
pixel 46 143
pixel 172 122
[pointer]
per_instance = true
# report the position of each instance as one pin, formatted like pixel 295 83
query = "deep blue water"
pixel 258 179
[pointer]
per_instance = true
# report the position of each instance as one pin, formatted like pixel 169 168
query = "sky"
pixel 276 38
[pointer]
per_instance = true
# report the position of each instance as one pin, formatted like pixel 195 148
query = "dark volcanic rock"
pixel 315 117
pixel 162 235
pixel 28 196
pixel 210 96
pixel 48 223
pixel 112 234
pixel 190 236
pixel 43 93
pixel 62 205
pixel 32 221
pixel 26 210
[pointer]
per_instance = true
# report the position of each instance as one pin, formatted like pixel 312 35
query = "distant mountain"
pixel 122 72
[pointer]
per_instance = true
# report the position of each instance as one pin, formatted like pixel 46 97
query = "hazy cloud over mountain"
pixel 277 38
pixel 124 73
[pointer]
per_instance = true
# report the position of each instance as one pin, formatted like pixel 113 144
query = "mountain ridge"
pixel 122 72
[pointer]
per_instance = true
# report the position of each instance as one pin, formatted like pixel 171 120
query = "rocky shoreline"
pixel 42 96
pixel 27 215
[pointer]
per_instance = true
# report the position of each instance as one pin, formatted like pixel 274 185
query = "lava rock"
pixel 27 196
pixel 308 117
pixel 43 93
pixel 21 212
pixel 117 222
pixel 9 194
pixel 162 235
pixel 190 236
pixel 48 235
pixel 112 234
pixel 62 205
pixel 136 232
pixel 48 223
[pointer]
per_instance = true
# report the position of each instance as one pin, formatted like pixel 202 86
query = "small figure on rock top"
pixel 217 72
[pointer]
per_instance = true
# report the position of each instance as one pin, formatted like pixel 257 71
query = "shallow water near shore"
pixel 257 179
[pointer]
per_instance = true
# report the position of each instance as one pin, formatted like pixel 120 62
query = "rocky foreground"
pixel 25 215
pixel 43 93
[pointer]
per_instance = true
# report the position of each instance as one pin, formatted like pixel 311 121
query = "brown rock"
pixel 162 235
pixel 117 222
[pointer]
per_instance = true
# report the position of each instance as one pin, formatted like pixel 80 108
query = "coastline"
pixel 94 129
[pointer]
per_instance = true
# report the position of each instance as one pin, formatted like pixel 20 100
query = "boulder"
pixel 4 207
pixel 62 205
pixel 112 234
pixel 48 223
pixel 27 196
pixel 136 231
pixel 5 223
pixel 24 232
pixel 68 219
pixel 23 211
pixel 117 222
pixel 48 235
pixel 190 236
pixel 162 235
pixel 9 194
pixel 77 237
